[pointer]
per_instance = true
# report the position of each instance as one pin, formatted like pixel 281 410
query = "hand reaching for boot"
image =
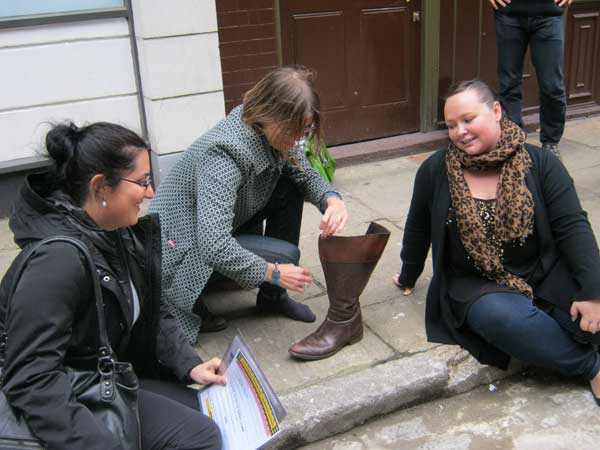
pixel 335 217
pixel 292 277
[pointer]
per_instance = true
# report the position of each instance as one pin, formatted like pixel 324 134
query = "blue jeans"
pixel 512 323
pixel 545 37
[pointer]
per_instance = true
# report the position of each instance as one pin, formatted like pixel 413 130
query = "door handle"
pixel 416 16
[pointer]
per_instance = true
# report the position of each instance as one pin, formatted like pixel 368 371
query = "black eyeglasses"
pixel 143 183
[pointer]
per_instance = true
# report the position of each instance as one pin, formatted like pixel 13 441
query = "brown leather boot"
pixel 347 262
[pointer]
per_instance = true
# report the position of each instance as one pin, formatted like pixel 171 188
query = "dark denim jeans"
pixel 545 37
pixel 512 323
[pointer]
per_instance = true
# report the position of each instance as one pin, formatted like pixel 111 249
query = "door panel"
pixel 582 33
pixel 310 32
pixel 385 75
pixel 366 54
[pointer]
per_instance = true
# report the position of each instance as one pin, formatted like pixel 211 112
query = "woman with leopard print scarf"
pixel 515 263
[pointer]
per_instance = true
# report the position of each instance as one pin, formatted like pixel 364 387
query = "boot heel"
pixel 356 337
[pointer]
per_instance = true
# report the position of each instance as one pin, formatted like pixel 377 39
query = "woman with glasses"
pixel 99 179
pixel 248 169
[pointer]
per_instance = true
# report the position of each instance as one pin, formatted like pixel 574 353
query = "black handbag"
pixel 109 392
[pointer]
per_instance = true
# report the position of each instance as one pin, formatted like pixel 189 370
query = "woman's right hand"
pixel 291 277
pixel 406 291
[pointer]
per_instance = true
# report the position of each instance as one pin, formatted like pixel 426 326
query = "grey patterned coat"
pixel 223 179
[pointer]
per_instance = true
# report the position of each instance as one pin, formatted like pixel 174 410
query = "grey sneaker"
pixel 552 148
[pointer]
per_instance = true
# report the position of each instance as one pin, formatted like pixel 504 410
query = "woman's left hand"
pixel 590 315
pixel 335 217
pixel 206 373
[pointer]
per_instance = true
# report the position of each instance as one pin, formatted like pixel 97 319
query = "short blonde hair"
pixel 285 96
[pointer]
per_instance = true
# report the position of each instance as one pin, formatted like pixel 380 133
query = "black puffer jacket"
pixel 52 320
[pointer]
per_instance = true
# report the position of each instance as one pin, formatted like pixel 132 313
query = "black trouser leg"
pixel 170 419
pixel 283 214
pixel 547 50
pixel 512 40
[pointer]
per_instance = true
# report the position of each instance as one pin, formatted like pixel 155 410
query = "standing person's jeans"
pixel 513 324
pixel 545 37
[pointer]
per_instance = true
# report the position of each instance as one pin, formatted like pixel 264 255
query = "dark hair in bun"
pixel 80 153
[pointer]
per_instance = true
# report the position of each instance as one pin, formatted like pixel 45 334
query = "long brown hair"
pixel 285 96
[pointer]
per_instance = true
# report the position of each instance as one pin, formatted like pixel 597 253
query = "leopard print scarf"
pixel 514 203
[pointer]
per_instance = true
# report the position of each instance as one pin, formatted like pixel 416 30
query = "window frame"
pixel 66 17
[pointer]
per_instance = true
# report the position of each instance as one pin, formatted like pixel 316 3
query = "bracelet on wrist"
pixel 275 275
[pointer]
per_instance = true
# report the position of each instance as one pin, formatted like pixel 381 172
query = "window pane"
pixel 16 8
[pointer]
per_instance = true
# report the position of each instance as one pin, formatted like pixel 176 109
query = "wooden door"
pixel 367 57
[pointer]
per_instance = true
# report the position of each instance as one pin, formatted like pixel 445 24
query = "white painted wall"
pixel 180 64
pixel 80 71
pixel 84 71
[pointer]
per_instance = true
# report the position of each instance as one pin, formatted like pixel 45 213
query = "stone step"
pixel 525 412
pixel 337 405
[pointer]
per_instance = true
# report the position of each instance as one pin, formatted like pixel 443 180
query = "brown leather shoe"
pixel 329 338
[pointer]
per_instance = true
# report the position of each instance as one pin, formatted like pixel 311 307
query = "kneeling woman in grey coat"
pixel 247 169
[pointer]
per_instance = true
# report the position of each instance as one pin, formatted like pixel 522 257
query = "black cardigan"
pixel 569 254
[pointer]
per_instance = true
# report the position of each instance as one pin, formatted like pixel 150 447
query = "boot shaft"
pixel 348 262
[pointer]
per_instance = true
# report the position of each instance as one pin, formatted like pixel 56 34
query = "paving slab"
pixel 584 131
pixel 579 156
pixel 6 259
pixel 6 237
pixel 270 337
pixel 587 180
pixel 399 322
pixel 385 186
pixel 591 206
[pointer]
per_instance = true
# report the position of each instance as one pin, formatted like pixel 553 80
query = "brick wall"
pixel 248 45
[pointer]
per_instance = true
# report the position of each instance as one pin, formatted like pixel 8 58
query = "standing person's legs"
pixel 170 419
pixel 547 54
pixel 513 324
pixel 511 44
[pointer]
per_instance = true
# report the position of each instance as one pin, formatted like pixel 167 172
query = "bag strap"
pixel 105 351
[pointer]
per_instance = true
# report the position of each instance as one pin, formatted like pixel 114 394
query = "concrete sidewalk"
pixel 393 366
